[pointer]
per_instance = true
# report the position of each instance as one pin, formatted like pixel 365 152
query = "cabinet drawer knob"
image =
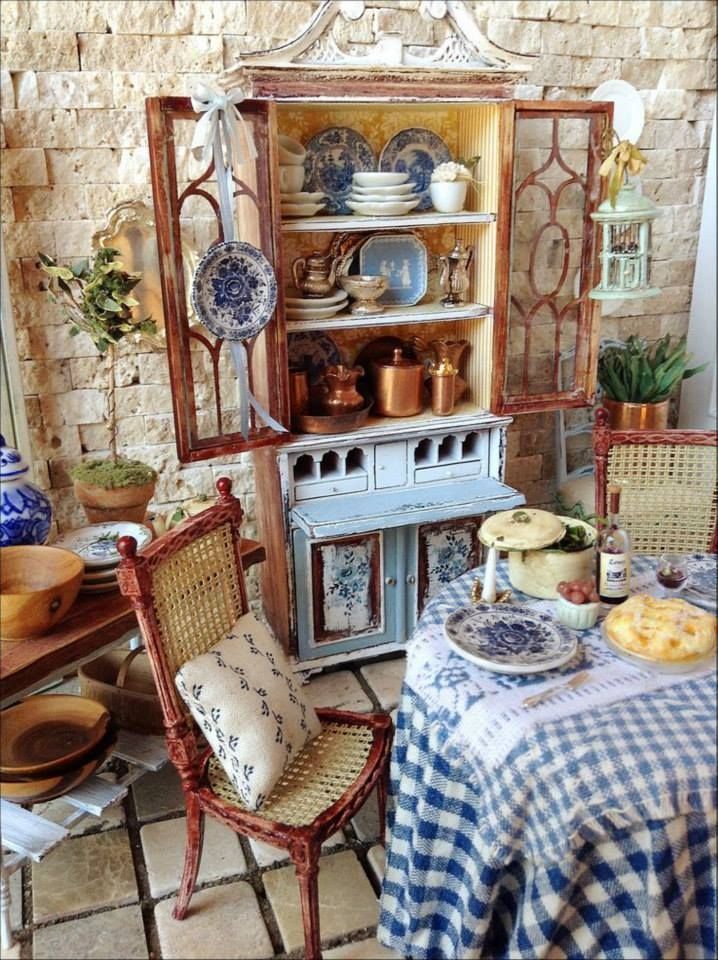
pixel 411 579
pixel 390 581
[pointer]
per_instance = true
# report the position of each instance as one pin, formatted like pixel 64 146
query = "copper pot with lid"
pixel 398 386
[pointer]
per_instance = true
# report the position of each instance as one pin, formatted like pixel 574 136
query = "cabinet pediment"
pixel 450 39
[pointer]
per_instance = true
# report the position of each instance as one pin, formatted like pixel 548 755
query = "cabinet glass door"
pixel 187 213
pixel 546 342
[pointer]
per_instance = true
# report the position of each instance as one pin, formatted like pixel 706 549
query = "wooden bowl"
pixel 38 585
pixel 48 788
pixel 48 734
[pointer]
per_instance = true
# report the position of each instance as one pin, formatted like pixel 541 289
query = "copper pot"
pixel 398 386
pixel 636 416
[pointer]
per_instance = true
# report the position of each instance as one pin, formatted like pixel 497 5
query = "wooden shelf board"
pixel 393 316
pixel 356 224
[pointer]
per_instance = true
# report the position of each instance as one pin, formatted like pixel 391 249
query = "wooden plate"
pixel 49 734
pixel 48 788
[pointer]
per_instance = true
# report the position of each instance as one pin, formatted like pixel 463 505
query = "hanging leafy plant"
pixel 643 372
pixel 97 297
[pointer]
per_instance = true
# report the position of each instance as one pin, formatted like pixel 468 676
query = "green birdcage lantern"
pixel 625 219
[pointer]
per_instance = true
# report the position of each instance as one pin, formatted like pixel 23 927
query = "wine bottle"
pixel 614 554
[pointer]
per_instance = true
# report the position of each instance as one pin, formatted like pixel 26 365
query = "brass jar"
pixel 398 386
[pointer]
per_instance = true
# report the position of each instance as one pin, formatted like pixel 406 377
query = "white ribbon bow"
pixel 222 133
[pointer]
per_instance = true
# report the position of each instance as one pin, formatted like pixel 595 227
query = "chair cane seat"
pixel 325 769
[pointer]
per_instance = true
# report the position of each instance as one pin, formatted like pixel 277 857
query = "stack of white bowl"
pixel 295 201
pixel 314 308
pixel 382 194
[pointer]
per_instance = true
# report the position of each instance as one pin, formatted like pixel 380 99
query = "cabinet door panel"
pixel 445 551
pixel 204 383
pixel 346 592
pixel 545 350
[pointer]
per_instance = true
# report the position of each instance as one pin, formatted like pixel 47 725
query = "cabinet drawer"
pixel 329 488
pixel 447 471
pixel 390 466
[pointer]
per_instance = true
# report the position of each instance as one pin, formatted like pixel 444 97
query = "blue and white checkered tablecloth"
pixel 596 837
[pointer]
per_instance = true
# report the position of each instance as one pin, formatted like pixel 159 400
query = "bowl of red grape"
pixel 578 603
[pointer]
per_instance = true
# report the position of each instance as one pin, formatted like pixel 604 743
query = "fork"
pixel 575 681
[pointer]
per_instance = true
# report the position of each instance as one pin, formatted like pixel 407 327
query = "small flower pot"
pixel 448 196
pixel 120 503
pixel 636 416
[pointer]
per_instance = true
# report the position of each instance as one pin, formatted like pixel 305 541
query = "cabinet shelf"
pixel 353 223
pixel 394 316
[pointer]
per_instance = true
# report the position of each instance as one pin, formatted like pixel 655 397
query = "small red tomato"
pixel 561 586
pixel 576 597
pixel 593 597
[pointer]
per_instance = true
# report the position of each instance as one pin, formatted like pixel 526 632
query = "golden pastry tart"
pixel 667 630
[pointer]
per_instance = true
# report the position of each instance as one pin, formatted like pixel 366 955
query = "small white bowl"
pixel 394 209
pixel 376 179
pixel 301 209
pixel 302 197
pixel 291 151
pixel 577 616
pixel 291 178
pixel 398 189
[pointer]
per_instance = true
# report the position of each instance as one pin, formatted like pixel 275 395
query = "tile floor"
pixel 108 892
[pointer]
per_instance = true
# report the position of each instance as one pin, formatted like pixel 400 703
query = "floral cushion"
pixel 249 707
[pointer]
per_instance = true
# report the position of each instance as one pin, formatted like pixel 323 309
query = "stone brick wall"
pixel 74 79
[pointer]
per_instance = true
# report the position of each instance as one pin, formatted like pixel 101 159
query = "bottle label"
pixel 614 575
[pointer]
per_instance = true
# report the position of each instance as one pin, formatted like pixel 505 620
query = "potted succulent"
pixel 449 183
pixel 97 299
pixel 638 378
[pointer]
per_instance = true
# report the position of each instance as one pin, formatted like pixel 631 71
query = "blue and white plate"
pixel 234 291
pixel 333 157
pixel 508 639
pixel 415 151
pixel 313 352
pixel 402 259
pixel 96 544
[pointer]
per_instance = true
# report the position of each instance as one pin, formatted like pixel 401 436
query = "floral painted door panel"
pixel 445 551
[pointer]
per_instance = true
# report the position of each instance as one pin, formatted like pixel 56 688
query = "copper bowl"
pixel 337 423
pixel 38 585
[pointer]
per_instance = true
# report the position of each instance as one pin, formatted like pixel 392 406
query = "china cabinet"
pixel 362 527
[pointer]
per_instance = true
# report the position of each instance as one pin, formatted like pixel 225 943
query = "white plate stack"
pixel 315 308
pixel 96 544
pixel 302 204
pixel 382 194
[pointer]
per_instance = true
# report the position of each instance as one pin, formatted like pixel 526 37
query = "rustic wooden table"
pixel 94 625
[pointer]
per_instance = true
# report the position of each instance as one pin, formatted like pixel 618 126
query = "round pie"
pixel 668 630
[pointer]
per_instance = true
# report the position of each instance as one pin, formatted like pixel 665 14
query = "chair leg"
pixel 307 867
pixel 192 856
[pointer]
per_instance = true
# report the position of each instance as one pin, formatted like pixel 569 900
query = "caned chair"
pixel 669 486
pixel 187 590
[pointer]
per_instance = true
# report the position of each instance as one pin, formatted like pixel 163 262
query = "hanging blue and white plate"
pixel 234 291
pixel 333 157
pixel 415 151
pixel 509 639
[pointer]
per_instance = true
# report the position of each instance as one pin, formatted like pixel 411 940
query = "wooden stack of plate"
pixel 50 744
pixel 96 545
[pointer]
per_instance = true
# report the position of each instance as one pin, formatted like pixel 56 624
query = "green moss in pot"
pixel 114 489
pixel 538 572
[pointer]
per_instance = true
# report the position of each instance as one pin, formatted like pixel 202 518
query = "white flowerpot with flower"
pixel 448 187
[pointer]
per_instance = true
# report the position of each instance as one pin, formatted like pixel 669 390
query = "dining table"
pixel 582 827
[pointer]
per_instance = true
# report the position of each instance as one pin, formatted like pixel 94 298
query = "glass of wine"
pixel 672 572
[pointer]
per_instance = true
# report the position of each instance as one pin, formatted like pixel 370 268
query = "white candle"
pixel 488 594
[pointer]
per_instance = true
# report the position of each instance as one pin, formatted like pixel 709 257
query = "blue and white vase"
pixel 25 511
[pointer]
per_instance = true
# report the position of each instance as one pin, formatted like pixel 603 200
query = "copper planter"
pixel 637 416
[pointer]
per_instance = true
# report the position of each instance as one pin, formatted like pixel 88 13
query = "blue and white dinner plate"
pixel 234 291
pixel 333 157
pixel 509 639
pixel 312 351
pixel 415 151
pixel 96 544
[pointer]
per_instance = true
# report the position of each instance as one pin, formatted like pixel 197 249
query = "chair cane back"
pixel 669 485
pixel 187 590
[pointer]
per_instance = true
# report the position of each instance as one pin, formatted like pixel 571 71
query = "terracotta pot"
pixel 120 503
pixel 637 416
